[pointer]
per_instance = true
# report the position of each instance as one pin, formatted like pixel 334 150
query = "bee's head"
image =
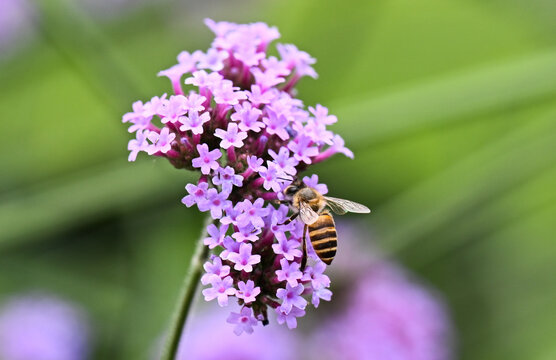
pixel 294 187
pixel 291 190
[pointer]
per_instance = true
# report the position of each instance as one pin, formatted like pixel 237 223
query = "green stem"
pixel 187 295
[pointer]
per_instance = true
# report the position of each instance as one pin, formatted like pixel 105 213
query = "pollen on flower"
pixel 234 118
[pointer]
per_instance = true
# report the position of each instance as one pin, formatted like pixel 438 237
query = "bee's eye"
pixel 291 190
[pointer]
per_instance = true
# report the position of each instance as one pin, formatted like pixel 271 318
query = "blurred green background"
pixel 449 107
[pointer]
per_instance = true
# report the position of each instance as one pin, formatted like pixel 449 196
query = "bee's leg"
pixel 265 316
pixel 291 218
pixel 304 256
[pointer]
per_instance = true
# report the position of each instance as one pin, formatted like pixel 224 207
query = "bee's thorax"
pixel 310 196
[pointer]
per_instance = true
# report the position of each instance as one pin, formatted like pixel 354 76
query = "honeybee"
pixel 312 208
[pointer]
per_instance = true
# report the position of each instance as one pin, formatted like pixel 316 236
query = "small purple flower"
pixel 277 66
pixel 321 115
pixel 161 142
pixel 227 179
pixel 220 290
pixel 247 291
pixel 277 220
pixel 217 235
pixel 297 59
pixel 289 317
pixel 317 133
pixel 288 248
pixel 207 159
pixel 248 56
pixel 247 233
pixel 315 274
pixel 313 182
pixel 257 97
pixel 276 124
pixel 174 73
pixel 140 123
pixel 220 28
pixel 194 102
pixel 173 109
pixel 244 321
pixel 291 297
pixel 202 79
pixel 215 202
pixel 338 146
pixel 320 293
pixel 271 177
pixel 194 122
pixel 139 113
pixel 197 193
pixel 289 272
pixel 230 137
pixel 189 60
pixel 302 149
pixel 252 213
pixel 267 79
pixel 243 259
pixel 213 60
pixel 285 163
pixel 248 117
pixel 138 144
pixel 264 34
pixel 230 247
pixel 230 217
pixel 214 270
pixel 254 163
pixel 156 105
pixel 228 94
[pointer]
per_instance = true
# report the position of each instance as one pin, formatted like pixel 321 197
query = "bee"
pixel 313 210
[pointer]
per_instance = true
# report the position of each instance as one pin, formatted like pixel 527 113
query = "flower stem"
pixel 186 296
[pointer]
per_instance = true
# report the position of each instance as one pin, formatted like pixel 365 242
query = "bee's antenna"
pixel 285 179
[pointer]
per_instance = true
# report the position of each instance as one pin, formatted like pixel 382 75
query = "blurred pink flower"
pixel 15 23
pixel 38 327
pixel 386 316
pixel 208 336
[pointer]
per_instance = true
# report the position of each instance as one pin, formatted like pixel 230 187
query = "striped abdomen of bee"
pixel 323 237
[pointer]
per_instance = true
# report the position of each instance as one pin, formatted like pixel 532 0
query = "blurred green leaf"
pixel 506 279
pixel 481 175
pixel 530 198
pixel 390 44
pixel 116 188
pixel 161 255
pixel 451 98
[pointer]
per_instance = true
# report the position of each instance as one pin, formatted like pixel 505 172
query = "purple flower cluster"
pixel 383 313
pixel 239 124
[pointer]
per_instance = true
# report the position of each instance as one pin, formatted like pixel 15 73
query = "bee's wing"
pixel 342 206
pixel 307 214
pixel 335 207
